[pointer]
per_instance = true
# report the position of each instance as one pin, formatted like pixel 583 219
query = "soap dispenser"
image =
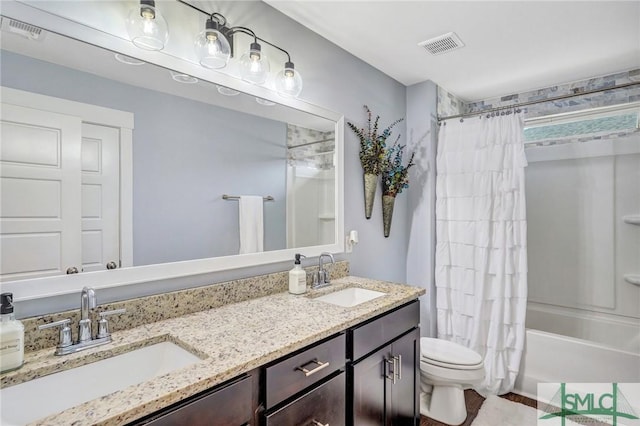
pixel 11 336
pixel 297 277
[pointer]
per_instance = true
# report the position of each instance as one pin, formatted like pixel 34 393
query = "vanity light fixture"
pixel 147 27
pixel 212 47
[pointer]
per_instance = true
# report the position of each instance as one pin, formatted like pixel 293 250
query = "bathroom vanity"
pixel 366 375
pixel 272 360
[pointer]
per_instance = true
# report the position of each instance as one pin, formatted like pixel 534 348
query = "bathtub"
pixel 554 358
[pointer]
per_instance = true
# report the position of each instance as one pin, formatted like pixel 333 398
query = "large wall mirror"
pixel 112 162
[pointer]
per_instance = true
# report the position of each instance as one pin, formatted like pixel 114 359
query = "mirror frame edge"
pixel 31 289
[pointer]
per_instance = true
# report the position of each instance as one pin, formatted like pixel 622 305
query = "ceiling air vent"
pixel 442 44
pixel 25 30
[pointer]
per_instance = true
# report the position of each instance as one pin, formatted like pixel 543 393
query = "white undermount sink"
pixel 38 398
pixel 351 296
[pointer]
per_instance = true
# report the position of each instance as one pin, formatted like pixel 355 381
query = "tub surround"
pixel 237 334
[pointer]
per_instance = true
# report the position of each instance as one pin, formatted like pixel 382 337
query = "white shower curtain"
pixel 481 247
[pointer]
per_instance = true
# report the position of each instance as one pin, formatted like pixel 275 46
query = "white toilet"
pixel 446 369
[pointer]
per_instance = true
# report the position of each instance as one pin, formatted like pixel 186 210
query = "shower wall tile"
pixel 318 155
pixel 450 105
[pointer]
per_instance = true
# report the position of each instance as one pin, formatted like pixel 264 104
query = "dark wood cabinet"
pixel 385 383
pixel 367 375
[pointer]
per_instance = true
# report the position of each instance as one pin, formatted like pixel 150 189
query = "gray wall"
pixel 186 154
pixel 422 130
pixel 336 80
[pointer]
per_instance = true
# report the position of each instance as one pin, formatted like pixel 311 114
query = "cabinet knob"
pixel 112 265
pixel 72 270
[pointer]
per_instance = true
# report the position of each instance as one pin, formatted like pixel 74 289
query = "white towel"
pixel 251 224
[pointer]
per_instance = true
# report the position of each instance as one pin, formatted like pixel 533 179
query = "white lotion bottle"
pixel 11 336
pixel 297 277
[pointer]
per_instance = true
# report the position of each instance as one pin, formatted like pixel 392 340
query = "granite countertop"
pixel 231 340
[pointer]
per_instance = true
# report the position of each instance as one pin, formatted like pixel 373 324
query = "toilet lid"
pixel 446 352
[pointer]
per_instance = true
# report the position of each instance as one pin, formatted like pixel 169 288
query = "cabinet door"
pixel 369 396
pixel 404 407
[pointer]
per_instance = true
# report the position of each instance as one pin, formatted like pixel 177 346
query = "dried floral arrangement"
pixel 372 143
pixel 395 176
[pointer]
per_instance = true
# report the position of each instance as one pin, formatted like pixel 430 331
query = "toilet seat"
pixel 439 375
pixel 450 365
pixel 446 354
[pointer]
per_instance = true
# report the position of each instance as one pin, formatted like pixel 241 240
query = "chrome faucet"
pixel 87 302
pixel 85 340
pixel 321 278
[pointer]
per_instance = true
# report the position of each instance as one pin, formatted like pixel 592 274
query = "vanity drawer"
pixel 295 373
pixel 383 329
pixel 325 405
pixel 226 406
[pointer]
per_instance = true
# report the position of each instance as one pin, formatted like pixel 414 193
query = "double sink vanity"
pixel 345 354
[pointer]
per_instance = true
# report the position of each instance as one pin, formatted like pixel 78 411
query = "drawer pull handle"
pixel 320 366
pixel 314 422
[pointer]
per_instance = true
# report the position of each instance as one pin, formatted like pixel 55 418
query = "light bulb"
pixel 147 27
pixel 254 65
pixel 288 81
pixel 212 47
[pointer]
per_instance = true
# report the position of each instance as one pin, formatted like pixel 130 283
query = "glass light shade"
pixel 212 48
pixel 227 91
pixel 254 65
pixel 288 82
pixel 147 27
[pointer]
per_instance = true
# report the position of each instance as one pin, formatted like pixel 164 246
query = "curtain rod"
pixel 523 104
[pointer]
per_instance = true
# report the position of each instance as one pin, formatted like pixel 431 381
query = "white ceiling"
pixel 510 46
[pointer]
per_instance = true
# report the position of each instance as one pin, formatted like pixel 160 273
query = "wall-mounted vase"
pixel 370 185
pixel 387 212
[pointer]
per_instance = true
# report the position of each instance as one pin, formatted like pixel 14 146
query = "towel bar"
pixel 632 219
pixel 237 197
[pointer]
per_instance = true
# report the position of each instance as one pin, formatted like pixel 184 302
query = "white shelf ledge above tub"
pixel 632 219
pixel 632 279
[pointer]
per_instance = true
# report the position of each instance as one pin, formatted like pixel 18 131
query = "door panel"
pixel 100 196
pixel 39 176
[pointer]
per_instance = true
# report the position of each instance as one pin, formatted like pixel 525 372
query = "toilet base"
pixel 445 404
